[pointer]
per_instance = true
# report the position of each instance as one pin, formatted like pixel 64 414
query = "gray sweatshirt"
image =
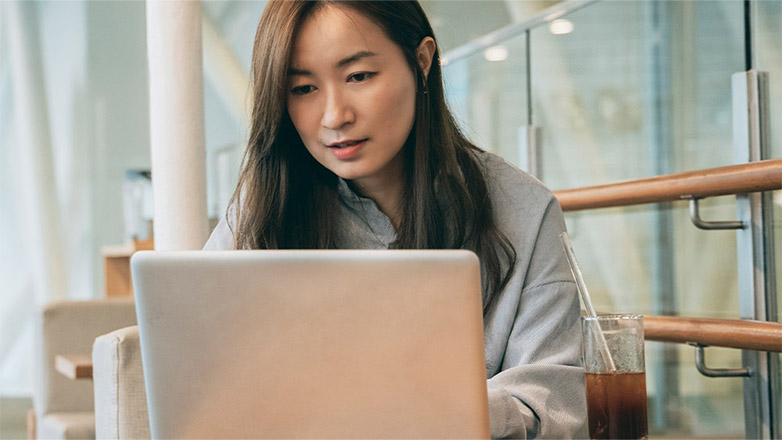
pixel 532 332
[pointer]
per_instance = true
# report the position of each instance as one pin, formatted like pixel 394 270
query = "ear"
pixel 424 54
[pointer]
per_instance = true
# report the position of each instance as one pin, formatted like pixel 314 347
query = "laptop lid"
pixel 312 344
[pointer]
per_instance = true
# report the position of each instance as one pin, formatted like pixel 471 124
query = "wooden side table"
pixel 117 266
pixel 74 366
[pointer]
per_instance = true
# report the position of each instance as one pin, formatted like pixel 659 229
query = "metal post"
pixel 529 157
pixel 755 254
pixel 663 360
pixel 528 140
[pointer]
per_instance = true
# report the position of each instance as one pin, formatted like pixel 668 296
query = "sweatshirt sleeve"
pixel 539 393
pixel 533 335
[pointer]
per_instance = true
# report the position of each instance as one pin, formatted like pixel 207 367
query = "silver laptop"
pixel 312 344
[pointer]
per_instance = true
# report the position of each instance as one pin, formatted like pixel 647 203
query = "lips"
pixel 346 149
pixel 345 144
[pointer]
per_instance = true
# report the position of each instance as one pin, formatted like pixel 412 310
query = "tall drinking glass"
pixel 615 384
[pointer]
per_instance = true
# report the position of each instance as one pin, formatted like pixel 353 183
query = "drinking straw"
pixel 590 309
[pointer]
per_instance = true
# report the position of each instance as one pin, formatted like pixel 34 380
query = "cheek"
pixel 395 105
pixel 302 122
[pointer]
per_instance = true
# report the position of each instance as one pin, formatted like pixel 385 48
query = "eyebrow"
pixel 355 57
pixel 341 63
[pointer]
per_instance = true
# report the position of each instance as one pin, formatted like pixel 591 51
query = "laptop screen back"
pixel 312 344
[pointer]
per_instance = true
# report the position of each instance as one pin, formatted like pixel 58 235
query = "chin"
pixel 349 173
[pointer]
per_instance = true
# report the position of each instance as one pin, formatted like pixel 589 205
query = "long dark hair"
pixel 286 200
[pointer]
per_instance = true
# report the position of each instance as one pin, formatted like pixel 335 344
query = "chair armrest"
pixel 120 397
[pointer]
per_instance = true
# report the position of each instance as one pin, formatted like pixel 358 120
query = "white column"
pixel 176 100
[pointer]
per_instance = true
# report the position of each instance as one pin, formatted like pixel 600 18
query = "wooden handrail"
pixel 732 333
pixel 735 179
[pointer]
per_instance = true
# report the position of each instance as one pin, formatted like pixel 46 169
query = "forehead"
pixel 333 32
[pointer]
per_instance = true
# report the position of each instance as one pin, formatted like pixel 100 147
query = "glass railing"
pixel 626 90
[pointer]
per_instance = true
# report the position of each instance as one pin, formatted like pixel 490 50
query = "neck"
pixel 387 195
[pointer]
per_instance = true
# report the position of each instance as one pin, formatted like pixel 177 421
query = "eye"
pixel 361 76
pixel 303 90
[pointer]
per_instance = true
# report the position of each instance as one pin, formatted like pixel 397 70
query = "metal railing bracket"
pixel 700 364
pixel 695 216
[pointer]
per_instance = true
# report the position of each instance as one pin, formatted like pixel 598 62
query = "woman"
pixel 352 146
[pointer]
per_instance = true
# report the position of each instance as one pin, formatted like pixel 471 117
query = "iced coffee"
pixel 615 376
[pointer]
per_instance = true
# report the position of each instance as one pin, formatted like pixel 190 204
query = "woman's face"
pixel 351 96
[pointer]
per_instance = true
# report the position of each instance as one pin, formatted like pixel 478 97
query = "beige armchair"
pixel 120 397
pixel 64 408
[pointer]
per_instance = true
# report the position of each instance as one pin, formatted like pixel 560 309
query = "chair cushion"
pixel 66 425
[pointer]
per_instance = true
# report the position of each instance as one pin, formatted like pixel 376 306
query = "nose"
pixel 338 112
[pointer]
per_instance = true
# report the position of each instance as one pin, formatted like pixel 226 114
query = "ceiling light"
pixel 496 53
pixel 561 26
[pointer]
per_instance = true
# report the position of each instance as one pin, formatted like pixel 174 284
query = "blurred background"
pixel 619 90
